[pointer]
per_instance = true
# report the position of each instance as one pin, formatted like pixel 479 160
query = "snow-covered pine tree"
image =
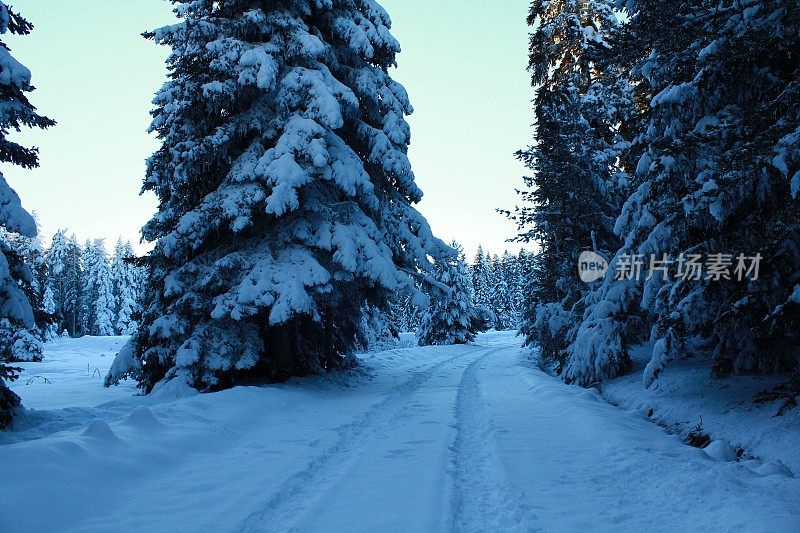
pixel 16 313
pixel 524 275
pixel 501 293
pixel 404 315
pixel 376 331
pixel 124 280
pixel 32 252
pixel 64 276
pixel 50 330
pixel 104 305
pixel 511 277
pixel 499 284
pixel 452 317
pixel 479 273
pixel 87 291
pixel 718 173
pixel 573 194
pixel 75 284
pixel 285 191
pixel 98 294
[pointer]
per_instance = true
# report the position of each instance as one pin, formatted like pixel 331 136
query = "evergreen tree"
pixel 376 331
pixel 285 192
pixel 524 275
pixel 718 173
pixel 510 298
pixel 480 278
pixel 104 305
pixel 98 296
pixel 575 190
pixel 705 164
pixel 16 314
pixel 499 291
pixel 124 280
pixel 452 317
pixel 88 294
pixel 64 280
pixel 32 252
pixel 50 331
pixel 404 315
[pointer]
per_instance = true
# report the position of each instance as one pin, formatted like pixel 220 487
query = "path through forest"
pixel 467 438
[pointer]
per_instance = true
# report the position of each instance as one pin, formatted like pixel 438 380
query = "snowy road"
pixel 424 439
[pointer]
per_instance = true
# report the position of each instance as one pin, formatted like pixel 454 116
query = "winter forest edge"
pixel 287 240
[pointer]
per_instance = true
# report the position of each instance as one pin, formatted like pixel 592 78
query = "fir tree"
pixel 32 252
pixel 87 293
pixel 510 298
pixel 98 296
pixel 452 317
pixel 404 315
pixel 285 192
pixel 574 193
pixel 50 331
pixel 718 173
pixel 63 260
pixel 16 314
pixel 706 162
pixel 124 280
pixel 480 278
pixel 524 273
pixel 499 291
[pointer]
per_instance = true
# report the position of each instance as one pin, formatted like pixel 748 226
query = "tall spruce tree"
pixel 285 192
pixel 511 296
pixel 63 261
pixel 480 278
pixel 124 280
pixel 88 293
pixel 574 192
pixel 498 302
pixel 16 314
pixel 97 292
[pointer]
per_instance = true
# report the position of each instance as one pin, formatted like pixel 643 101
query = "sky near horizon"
pixel 463 64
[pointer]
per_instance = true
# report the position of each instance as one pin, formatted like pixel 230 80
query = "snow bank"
pixel 686 396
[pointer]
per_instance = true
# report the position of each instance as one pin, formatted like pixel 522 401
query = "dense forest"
pixel 667 133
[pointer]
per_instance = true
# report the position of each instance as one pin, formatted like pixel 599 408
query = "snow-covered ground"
pixel 685 399
pixel 71 374
pixel 461 438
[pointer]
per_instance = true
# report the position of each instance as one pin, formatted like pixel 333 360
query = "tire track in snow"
pixel 286 507
pixel 483 498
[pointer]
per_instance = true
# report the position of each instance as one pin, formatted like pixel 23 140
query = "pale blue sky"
pixel 463 64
